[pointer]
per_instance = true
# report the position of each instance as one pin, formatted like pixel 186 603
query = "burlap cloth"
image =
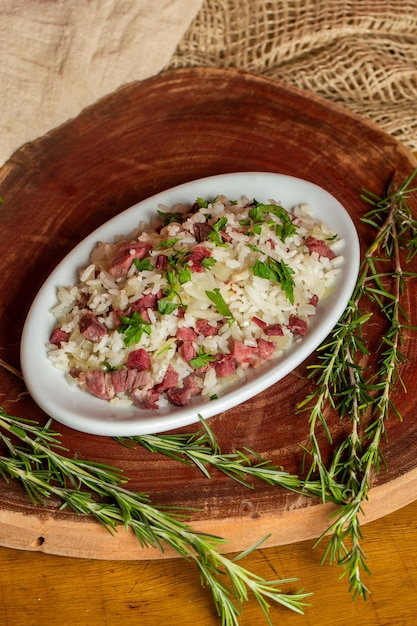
pixel 58 57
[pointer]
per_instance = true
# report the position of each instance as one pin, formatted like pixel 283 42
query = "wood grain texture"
pixel 147 137
pixel 38 589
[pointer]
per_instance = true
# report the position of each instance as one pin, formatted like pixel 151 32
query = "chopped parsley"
pixel 133 326
pixel 166 307
pixel 221 306
pixel 202 203
pixel 168 218
pixel 143 264
pixel 184 274
pixel 202 359
pixel 214 235
pixel 168 243
pixel 167 304
pixel 277 271
pixel 285 229
pixel 208 262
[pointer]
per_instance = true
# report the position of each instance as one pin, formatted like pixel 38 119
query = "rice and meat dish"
pixel 186 304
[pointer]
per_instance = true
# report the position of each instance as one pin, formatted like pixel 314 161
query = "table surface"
pixel 37 589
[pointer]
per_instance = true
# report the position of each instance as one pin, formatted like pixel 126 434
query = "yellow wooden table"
pixel 38 589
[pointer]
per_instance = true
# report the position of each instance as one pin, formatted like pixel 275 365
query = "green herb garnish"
pixel 166 307
pixel 143 264
pixel 360 385
pixel 208 262
pixel 286 229
pixel 221 306
pixel 132 327
pixel 202 203
pixel 202 358
pixel 169 218
pixel 214 235
pixel 276 271
pixel 168 243
pixel 168 304
pixel 184 274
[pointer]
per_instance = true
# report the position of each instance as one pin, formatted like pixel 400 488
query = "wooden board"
pixel 147 137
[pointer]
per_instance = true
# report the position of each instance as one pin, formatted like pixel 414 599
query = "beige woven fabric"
pixel 59 57
pixel 359 53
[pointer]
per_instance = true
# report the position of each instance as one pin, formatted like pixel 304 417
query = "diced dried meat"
pixel 201 231
pixel 225 365
pixel 187 351
pixel 161 262
pixel 197 256
pixel 148 301
pixel 116 317
pixel 91 328
pixel 139 359
pixel 169 381
pixel 191 382
pixel 226 238
pixel 318 245
pixel 58 336
pixel 182 396
pixel 106 385
pixel 125 255
pixel 274 330
pixel 259 322
pixel 186 334
pixel 242 353
pixel 95 382
pixel 266 349
pixel 119 380
pixel 203 327
pixel 138 378
pixel 127 379
pixel 297 325
pixel 145 398
pixel 179 396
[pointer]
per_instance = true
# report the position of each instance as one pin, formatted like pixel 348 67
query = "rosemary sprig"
pixel 347 383
pixel 37 459
pixel 11 369
pixel 203 450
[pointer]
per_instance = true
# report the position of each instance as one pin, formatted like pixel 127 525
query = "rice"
pixel 187 304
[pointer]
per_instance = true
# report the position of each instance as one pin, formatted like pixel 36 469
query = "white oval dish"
pixel 80 410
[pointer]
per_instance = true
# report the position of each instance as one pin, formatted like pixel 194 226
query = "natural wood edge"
pixel 84 538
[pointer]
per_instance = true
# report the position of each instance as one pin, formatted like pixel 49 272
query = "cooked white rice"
pixel 250 298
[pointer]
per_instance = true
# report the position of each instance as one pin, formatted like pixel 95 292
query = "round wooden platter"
pixel 147 137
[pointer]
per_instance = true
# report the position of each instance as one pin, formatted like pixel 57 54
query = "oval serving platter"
pixel 84 412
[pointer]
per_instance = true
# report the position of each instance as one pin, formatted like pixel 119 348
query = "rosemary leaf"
pixel 362 394
pixel 39 462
